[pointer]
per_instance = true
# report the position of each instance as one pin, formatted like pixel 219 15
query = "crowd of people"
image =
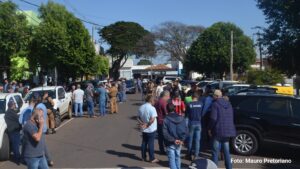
pixel 197 119
pixel 15 87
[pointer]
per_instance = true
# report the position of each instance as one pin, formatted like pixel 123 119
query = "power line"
pixel 25 13
pixel 83 20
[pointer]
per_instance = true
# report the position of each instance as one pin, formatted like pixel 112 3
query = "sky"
pixel 150 13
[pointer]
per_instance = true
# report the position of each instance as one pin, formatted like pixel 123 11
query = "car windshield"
pixel 51 93
pixel 2 106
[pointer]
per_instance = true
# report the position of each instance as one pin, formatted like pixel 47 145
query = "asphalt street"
pixel 114 142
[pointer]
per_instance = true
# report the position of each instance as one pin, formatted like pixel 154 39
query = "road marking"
pixel 64 124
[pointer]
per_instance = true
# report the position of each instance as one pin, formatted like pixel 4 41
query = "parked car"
pixel 4 140
pixel 261 119
pixel 203 83
pixel 231 90
pixel 130 87
pixel 221 84
pixel 169 79
pixel 62 101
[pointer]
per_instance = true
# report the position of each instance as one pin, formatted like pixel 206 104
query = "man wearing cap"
pixel 221 127
pixel 13 127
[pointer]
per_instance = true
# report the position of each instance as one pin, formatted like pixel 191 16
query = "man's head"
pixel 165 95
pixel 217 94
pixel 5 81
pixel 37 115
pixel 11 104
pixel 177 94
pixel 78 86
pixel 73 87
pixel 195 96
pixel 37 98
pixel 170 108
pixel 20 84
pixel 150 99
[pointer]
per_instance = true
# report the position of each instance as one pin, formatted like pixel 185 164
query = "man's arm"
pixel 213 117
pixel 37 136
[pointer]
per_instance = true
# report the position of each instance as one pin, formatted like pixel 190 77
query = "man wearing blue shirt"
pixel 148 124
pixel 194 113
pixel 102 99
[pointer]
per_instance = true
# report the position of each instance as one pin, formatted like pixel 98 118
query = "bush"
pixel 264 77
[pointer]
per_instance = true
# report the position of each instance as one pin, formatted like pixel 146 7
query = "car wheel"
pixel 57 119
pixel 70 111
pixel 4 151
pixel 245 143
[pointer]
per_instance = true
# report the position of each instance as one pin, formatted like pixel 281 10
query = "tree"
pixel 144 62
pixel 122 38
pixel 264 77
pixel 282 37
pixel 175 38
pixel 62 41
pixel 210 53
pixel 19 66
pixel 14 34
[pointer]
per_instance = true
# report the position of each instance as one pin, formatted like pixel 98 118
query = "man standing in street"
pixel 161 109
pixel 194 113
pixel 102 99
pixel 48 102
pixel 89 95
pixel 139 85
pixel 34 141
pixel 174 131
pixel 113 92
pixel 124 86
pixel 148 123
pixel 78 101
pixel 5 86
pixel 13 128
pixel 221 127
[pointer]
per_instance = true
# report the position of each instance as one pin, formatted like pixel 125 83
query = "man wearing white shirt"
pixel 78 101
pixel 147 120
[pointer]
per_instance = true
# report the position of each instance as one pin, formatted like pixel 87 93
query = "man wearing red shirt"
pixel 179 104
pixel 161 109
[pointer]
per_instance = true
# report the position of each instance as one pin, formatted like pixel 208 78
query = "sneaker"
pixel 155 161
pixel 51 163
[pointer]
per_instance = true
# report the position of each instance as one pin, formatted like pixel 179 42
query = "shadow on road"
pixel 137 104
pixel 123 154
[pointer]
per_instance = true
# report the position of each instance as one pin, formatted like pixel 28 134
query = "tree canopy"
pixel 14 34
pixel 210 53
pixel 174 38
pixel 144 62
pixel 123 38
pixel 282 37
pixel 62 41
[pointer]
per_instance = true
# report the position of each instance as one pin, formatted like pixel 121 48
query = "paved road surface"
pixel 114 142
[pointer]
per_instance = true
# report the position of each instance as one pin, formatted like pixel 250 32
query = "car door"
pixel 246 111
pixel 274 118
pixel 62 99
pixel 295 122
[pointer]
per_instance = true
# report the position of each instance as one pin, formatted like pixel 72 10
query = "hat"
pixel 218 93
pixel 11 103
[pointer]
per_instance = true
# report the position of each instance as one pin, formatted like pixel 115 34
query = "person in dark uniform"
pixel 47 100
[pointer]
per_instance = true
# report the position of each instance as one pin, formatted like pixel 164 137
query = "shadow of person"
pixel 123 154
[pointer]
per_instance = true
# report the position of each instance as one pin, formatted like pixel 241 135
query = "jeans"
pixel 91 107
pixel 123 96
pixel 194 136
pixel 148 142
pixel 15 140
pixel 216 149
pixel 102 109
pixel 160 138
pixel 36 163
pixel 120 96
pixel 173 152
pixel 76 106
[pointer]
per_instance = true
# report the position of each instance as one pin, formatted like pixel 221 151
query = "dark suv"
pixel 265 119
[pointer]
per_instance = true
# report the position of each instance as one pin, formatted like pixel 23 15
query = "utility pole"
pixel 231 56
pixel 260 51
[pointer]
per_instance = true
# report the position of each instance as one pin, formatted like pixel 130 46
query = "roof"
pixel 4 95
pixel 159 67
pixel 44 88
